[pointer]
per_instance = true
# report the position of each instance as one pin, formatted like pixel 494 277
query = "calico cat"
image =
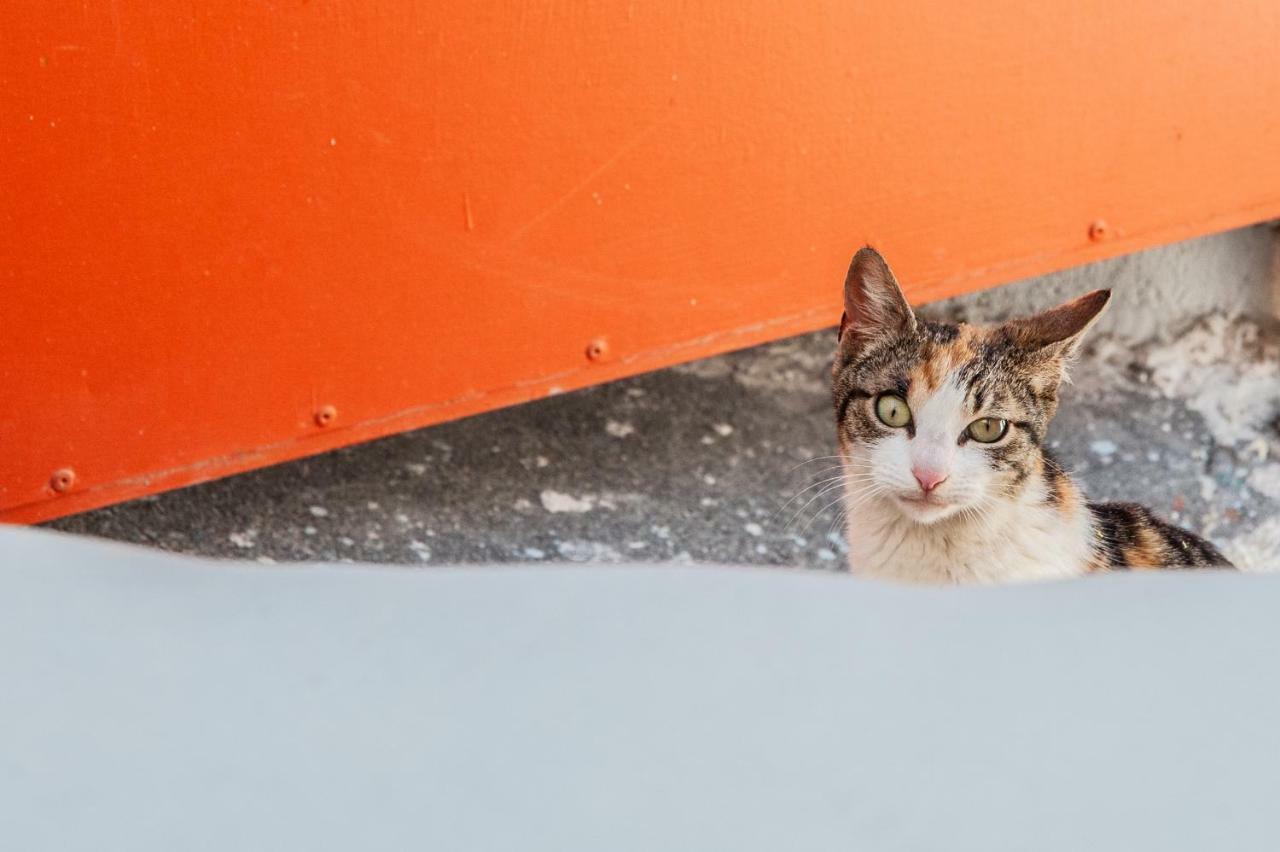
pixel 941 429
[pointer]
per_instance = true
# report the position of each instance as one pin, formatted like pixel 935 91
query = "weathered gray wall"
pixel 1156 291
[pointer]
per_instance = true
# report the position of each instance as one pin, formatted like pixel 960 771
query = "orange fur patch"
pixel 928 373
pixel 940 361
pixel 964 347
pixel 1146 552
pixel 1069 496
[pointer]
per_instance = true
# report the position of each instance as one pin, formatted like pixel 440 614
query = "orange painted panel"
pixel 220 219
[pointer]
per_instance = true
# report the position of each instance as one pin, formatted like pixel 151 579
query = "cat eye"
pixel 987 430
pixel 892 410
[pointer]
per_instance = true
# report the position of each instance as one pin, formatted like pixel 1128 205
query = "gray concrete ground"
pixel 723 460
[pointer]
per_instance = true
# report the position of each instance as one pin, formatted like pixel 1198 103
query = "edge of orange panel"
pixel 809 319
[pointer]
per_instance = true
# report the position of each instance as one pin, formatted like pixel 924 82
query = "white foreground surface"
pixel 159 703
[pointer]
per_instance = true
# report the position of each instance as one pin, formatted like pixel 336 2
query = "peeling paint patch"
pixel 1227 371
pixel 587 551
pixel 1266 480
pixel 244 540
pixel 619 429
pixel 1258 550
pixel 554 501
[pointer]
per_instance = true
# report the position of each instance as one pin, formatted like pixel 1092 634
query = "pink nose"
pixel 928 479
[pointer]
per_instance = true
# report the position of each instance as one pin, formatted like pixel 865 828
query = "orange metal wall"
pixel 233 232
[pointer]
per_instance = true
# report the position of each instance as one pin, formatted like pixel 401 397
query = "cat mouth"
pixel 923 502
pixel 922 508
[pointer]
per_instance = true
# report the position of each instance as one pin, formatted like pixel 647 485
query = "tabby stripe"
pixel 854 393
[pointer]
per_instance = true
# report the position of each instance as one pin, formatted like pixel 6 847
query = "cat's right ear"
pixel 874 306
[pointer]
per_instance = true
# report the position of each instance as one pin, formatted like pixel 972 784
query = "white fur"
pixel 1006 542
pixel 976 534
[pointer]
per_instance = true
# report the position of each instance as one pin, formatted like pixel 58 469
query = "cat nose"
pixel 928 479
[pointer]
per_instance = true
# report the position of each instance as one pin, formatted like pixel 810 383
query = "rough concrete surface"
pixel 724 460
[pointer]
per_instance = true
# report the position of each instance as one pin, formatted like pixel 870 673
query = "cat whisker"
pixel 827 471
pixel 979 516
pixel 858 486
pixel 860 497
pixel 803 491
pixel 825 491
pixel 818 514
pixel 841 470
pixel 838 523
pixel 813 460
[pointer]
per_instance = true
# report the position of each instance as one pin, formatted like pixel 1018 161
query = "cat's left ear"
pixel 874 305
pixel 1058 331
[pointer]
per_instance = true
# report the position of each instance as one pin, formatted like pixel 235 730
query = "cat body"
pixel 941 429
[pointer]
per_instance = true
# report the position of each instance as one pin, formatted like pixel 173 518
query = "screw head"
pixel 1098 230
pixel 597 349
pixel 325 415
pixel 62 480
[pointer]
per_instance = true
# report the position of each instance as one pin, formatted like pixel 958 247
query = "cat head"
pixel 936 418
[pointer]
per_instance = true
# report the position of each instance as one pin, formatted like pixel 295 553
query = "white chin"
pixel 925 513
